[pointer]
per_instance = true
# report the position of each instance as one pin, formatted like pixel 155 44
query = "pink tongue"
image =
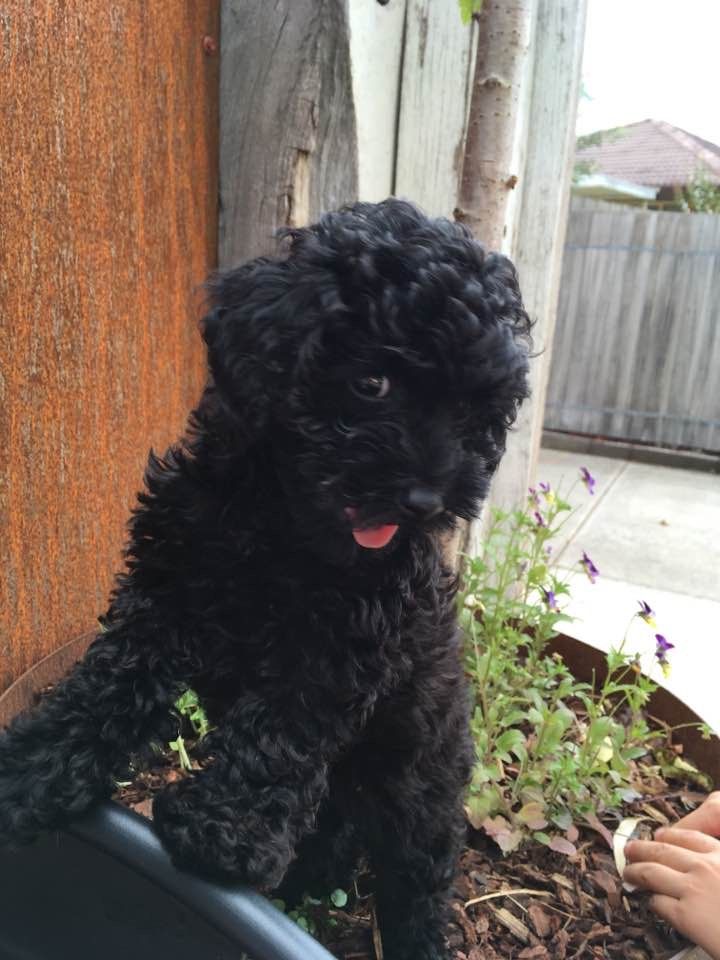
pixel 375 537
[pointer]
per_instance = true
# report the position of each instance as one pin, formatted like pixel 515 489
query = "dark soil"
pixel 533 904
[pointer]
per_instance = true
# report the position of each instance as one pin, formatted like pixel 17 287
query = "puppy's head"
pixel 382 361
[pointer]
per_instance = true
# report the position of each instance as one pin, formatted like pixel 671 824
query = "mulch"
pixel 532 904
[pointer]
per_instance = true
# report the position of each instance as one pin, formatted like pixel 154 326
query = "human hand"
pixel 681 868
pixel 706 818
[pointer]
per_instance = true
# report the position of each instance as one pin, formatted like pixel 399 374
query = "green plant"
pixel 584 168
pixel 550 749
pixel 469 9
pixel 701 195
pixel 312 914
pixel 189 708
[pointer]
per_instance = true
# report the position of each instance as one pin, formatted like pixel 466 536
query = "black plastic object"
pixel 106 888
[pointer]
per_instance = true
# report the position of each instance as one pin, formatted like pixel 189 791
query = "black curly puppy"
pixel 284 562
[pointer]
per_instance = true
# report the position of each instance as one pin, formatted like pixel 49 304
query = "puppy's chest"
pixel 354 646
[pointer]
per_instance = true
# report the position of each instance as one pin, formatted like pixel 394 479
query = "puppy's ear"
pixel 502 293
pixel 506 364
pixel 242 332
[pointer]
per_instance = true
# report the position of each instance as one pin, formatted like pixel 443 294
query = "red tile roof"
pixel 653 153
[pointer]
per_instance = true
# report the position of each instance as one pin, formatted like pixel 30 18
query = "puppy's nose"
pixel 423 503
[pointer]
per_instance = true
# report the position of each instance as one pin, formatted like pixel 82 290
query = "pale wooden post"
pixel 539 228
pixel 376 53
pixel 437 73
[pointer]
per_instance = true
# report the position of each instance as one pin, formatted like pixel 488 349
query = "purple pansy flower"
pixel 661 651
pixel 539 519
pixel 588 479
pixel 646 613
pixel 589 567
pixel 550 599
pixel 533 496
pixel 547 492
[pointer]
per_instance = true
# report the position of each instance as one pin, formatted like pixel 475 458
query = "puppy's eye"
pixel 374 388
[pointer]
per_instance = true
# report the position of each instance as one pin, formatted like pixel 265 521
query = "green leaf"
pixel 598 730
pixel 467 9
pixel 511 741
pixel 563 819
pixel 482 805
pixel 188 701
pixel 537 573
pixel 513 718
pixel 339 898
pixel 179 747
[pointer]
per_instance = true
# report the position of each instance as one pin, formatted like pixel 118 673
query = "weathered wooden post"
pixel 538 231
pixel 288 141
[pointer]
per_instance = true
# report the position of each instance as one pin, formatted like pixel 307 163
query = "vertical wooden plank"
pixel 108 148
pixel 288 141
pixel 637 278
pixel 671 359
pixel 543 216
pixel 698 393
pixel 570 322
pixel 593 340
pixel 376 49
pixel 605 345
pixel 437 65
pixel 653 328
pixel 654 370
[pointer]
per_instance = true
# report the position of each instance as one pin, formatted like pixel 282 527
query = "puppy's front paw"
pixel 40 788
pixel 17 822
pixel 205 831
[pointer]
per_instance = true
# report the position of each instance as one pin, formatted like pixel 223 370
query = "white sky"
pixel 657 59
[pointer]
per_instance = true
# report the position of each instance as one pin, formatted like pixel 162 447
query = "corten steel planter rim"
pixel 246 918
pixel 588 663
pixel 583 660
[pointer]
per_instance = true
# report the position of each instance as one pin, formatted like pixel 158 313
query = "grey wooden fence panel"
pixel 637 345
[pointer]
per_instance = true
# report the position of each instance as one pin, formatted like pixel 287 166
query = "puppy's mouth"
pixel 370 537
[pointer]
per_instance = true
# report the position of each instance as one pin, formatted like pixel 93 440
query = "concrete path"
pixel 653 532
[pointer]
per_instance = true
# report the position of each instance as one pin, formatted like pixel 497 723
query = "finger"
pixel 689 839
pixel 667 908
pixel 655 877
pixel 670 855
pixel 706 818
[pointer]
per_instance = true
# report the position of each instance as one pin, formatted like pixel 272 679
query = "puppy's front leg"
pixel 242 816
pixel 60 757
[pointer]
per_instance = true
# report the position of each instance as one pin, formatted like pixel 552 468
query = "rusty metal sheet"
pixel 108 151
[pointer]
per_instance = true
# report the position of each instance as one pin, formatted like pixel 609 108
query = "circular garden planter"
pixel 586 662
pixel 105 887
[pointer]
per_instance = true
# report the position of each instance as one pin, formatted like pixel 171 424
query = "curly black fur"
pixel 332 670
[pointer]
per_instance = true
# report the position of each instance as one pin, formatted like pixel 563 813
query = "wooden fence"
pixel 637 344
pixel 115 143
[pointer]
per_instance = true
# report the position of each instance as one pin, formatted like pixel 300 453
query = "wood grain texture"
pixel 376 50
pixel 637 345
pixel 288 142
pixel 541 221
pixel 108 145
pixel 437 72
